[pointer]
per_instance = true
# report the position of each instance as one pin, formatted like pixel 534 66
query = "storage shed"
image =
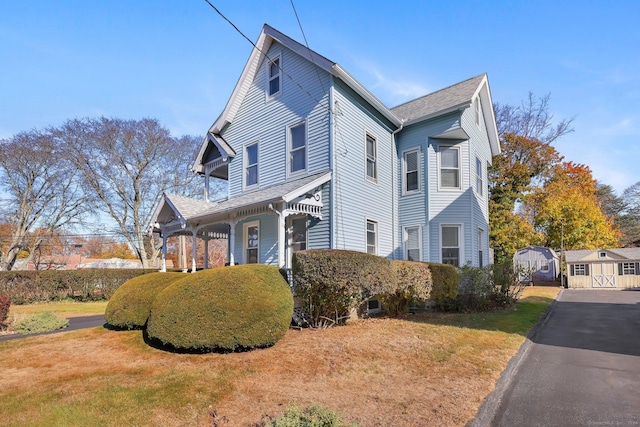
pixel 603 268
pixel 539 264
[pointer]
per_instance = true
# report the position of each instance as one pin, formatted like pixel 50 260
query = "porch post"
pixel 163 266
pixel 206 250
pixel 232 240
pixel 282 235
pixel 194 246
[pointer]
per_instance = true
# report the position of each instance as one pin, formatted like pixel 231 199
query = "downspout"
pixel 394 188
pixel 332 207
pixel 281 236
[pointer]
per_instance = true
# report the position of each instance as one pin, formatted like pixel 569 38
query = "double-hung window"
pixel 297 148
pixel 411 171
pixel 274 77
pixel 450 238
pixel 251 165
pixel 412 243
pixel 372 158
pixel 479 177
pixel 372 237
pixel 449 167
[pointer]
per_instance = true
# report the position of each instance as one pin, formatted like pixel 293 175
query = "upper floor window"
pixel 372 158
pixel 479 177
pixel 275 76
pixel 412 243
pixel 411 171
pixel 450 244
pixel 297 148
pixel 372 237
pixel 449 167
pixel 251 165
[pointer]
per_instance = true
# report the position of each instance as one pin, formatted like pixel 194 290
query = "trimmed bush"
pixel 310 416
pixel 26 287
pixel 446 280
pixel 223 309
pixel 130 305
pixel 39 323
pixel 5 305
pixel 412 283
pixel 333 282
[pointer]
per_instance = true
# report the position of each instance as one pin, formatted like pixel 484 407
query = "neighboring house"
pixel 313 160
pixel 63 262
pixel 603 268
pixel 537 263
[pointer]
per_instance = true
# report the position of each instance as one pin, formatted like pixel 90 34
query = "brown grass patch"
pixel 408 372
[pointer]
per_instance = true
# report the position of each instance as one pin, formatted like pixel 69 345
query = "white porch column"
pixel 194 247
pixel 282 236
pixel 163 266
pixel 206 250
pixel 232 241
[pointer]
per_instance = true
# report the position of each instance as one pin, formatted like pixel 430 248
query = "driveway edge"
pixel 490 404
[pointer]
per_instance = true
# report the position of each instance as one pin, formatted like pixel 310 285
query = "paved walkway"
pixel 75 323
pixel 581 367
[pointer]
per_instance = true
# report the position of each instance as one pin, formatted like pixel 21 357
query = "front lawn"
pixel 427 369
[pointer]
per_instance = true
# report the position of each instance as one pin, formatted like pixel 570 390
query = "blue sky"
pixel 178 61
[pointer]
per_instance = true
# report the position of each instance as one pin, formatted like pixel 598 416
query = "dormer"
pixel 213 160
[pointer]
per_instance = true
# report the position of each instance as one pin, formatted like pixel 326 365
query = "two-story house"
pixel 314 160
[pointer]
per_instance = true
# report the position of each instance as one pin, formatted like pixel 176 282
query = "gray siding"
pixel 266 121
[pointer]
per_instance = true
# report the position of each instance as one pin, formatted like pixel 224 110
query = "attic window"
pixel 273 71
pixel 602 254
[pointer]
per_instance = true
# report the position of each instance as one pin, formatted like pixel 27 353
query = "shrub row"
pixel 25 287
pixel 5 305
pixel 332 283
pixel 222 309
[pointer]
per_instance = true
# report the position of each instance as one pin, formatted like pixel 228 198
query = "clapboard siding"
pixel 266 121
pixel 319 233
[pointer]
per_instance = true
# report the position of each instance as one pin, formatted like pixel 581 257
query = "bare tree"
pixel 43 193
pixel 531 120
pixel 129 164
pixel 630 220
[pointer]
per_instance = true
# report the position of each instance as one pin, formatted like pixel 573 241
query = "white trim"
pixel 368 178
pixel 439 149
pixel 480 177
pixel 418 152
pixel 245 234
pixel 460 243
pixel 405 248
pixel 366 235
pixel 245 165
pixel 269 78
pixel 289 173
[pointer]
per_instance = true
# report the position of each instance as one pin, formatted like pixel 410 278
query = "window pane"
pixel 298 160
pixel 299 234
pixel 371 169
pixel 449 178
pixel 252 175
pixel 274 67
pixel 412 181
pixel 252 154
pixel 274 86
pixel 450 236
pixel 413 255
pixel 449 158
pixel 450 256
pixel 252 256
pixel 371 147
pixel 297 136
pixel 371 237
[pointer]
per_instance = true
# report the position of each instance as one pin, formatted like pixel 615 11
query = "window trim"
pixel 245 166
pixel 584 269
pixel 274 95
pixel 373 179
pixel 479 177
pixel 481 247
pixel 289 150
pixel 440 168
pixel 245 246
pixel 366 236
pixel 405 240
pixel 460 242
pixel 406 192
pixel 545 265
pixel 628 268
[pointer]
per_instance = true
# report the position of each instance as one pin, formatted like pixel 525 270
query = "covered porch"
pixel 263 226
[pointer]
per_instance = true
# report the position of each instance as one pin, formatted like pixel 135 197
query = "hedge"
pixel 333 282
pixel 26 287
pixel 130 305
pixel 446 280
pixel 412 283
pixel 223 309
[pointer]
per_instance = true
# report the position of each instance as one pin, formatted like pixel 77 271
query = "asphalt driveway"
pixel 75 323
pixel 581 367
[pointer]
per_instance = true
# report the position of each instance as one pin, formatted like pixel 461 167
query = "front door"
pixel 604 275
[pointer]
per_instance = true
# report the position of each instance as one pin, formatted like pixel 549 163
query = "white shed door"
pixel 604 275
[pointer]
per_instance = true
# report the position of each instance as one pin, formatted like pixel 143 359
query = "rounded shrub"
pixel 412 283
pixel 224 309
pixel 130 305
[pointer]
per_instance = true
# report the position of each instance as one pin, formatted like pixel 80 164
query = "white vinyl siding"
pixel 274 78
pixel 297 148
pixel 479 177
pixel 251 165
pixel 449 167
pixel 372 237
pixel 371 147
pixel 412 243
pixel 411 172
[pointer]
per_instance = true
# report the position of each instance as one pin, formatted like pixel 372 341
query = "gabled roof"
pixel 632 254
pixel 179 208
pixel 453 98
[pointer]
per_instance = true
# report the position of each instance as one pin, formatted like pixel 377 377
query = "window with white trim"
pixel 297 148
pixel 450 244
pixel 412 243
pixel 299 234
pixel 580 270
pixel 449 167
pixel 628 268
pixel 411 171
pixel 251 165
pixel 371 158
pixel 544 266
pixel 372 237
pixel 479 177
pixel 251 242
pixel 274 76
